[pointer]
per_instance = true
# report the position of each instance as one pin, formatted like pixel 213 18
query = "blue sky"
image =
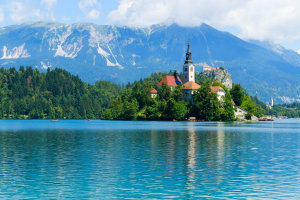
pixel 65 11
pixel 276 21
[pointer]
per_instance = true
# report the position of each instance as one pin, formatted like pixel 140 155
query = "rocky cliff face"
pixel 220 75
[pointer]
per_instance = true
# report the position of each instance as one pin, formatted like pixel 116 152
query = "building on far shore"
pixel 207 68
pixel 271 104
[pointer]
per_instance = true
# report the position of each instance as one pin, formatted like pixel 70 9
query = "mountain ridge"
pixel 122 54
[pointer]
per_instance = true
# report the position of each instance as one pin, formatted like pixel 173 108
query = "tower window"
pixel 191 69
pixel 185 69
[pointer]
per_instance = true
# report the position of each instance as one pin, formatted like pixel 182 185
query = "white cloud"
pixel 256 19
pixel 93 14
pixel 49 3
pixel 20 12
pixel 90 8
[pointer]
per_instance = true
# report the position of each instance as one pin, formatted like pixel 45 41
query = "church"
pixel 189 86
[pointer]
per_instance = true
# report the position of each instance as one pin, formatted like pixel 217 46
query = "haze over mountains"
pixel 122 54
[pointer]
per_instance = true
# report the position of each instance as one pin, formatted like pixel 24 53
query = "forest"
pixel 27 93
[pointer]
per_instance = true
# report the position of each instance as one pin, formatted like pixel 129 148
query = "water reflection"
pixel 191 158
pixel 194 162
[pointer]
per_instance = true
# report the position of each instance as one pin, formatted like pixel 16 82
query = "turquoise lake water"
pixel 40 159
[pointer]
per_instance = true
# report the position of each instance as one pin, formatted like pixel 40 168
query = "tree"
pixel 237 94
pixel 251 108
pixel 164 92
pixel 227 112
pixel 177 93
pixel 206 104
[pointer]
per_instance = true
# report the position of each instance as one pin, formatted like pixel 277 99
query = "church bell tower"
pixel 188 67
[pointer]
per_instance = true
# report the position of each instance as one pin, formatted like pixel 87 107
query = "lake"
pixel 78 159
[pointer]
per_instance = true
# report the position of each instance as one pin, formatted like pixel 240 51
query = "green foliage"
pixel 206 105
pixel 227 111
pixel 251 104
pixel 289 110
pixel 251 108
pixel 27 93
pixel 136 103
pixel 237 94
pixel 164 92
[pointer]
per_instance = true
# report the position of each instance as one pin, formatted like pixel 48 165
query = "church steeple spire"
pixel 188 58
pixel 188 67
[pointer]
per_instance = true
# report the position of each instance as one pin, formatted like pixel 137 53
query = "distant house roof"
pixel 209 68
pixel 191 85
pixel 206 67
pixel 216 89
pixel 171 81
pixel 153 91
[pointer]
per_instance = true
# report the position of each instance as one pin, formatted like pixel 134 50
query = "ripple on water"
pixel 149 160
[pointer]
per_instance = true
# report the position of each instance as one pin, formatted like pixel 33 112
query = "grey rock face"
pixel 220 75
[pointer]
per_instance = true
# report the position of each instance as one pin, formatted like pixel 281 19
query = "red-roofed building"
pixel 171 81
pixel 153 93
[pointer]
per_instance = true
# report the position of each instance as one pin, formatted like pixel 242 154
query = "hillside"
pixel 29 94
pixel 123 54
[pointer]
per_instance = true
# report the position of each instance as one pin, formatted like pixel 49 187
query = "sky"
pixel 276 21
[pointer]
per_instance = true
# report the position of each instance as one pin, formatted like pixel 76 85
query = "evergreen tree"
pixel 237 94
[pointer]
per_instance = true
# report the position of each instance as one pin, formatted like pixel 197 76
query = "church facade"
pixel 189 86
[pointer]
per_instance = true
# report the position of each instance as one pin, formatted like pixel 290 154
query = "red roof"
pixel 170 81
pixel 153 91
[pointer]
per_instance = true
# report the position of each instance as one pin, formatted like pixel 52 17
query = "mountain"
pixel 122 54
